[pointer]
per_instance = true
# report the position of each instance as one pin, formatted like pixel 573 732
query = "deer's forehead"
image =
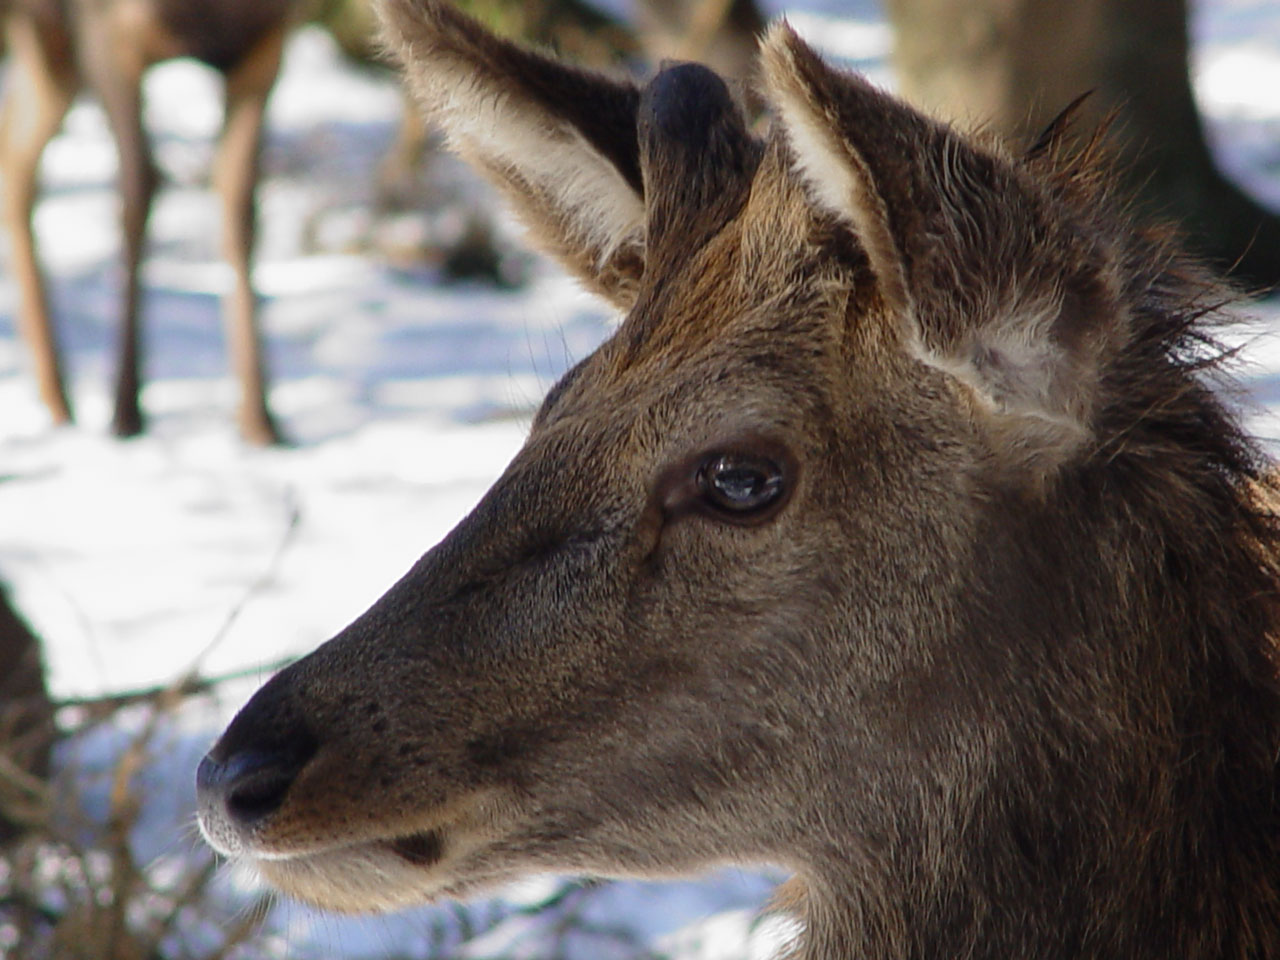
pixel 757 377
pixel 733 292
pixel 755 319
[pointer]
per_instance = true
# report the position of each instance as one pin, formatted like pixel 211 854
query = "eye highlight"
pixel 740 485
pixel 743 480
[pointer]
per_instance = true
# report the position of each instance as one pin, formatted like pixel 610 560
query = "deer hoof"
pixel 127 422
pixel 261 431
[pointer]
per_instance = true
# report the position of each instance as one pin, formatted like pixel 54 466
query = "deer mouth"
pixel 422 849
pixel 371 875
pixel 447 858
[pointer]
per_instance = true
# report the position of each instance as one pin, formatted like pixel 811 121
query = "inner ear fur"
pixel 561 142
pixel 989 283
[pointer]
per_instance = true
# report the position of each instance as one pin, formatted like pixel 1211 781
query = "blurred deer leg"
pixel 248 85
pixel 705 21
pixel 39 88
pixel 115 69
pixel 399 169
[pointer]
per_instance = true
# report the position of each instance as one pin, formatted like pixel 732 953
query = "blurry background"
pixel 151 584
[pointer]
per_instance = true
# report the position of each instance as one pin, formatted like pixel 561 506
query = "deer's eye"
pixel 740 484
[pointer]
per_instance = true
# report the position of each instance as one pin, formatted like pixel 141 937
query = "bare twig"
pixel 188 685
pixel 192 682
pixel 261 583
pixel 25 799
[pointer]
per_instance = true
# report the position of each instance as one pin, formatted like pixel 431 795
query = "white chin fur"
pixel 356 879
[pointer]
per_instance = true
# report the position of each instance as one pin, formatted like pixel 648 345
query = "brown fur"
pixel 55 46
pixel 992 673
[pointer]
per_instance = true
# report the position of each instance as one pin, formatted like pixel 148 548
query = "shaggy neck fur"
pixel 1132 810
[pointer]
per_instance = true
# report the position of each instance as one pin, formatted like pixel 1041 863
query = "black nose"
pixel 246 776
pixel 249 784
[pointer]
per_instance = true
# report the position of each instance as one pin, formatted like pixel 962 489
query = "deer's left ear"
pixel 990 288
pixel 559 141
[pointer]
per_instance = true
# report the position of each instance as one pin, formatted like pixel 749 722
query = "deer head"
pixel 811 563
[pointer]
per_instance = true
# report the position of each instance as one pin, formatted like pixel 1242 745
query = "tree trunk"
pixel 1014 64
pixel 26 723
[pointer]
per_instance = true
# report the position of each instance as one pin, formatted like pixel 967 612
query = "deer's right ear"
pixel 561 142
pixel 989 285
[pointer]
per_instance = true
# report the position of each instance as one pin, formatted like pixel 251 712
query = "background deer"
pixel 54 47
pixel 896 538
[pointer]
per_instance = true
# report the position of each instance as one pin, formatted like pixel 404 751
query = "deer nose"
pixel 248 785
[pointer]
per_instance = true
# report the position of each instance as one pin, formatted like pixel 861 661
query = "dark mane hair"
pixel 1182 548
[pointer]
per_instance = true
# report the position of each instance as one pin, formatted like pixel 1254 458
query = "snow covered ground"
pixel 404 398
